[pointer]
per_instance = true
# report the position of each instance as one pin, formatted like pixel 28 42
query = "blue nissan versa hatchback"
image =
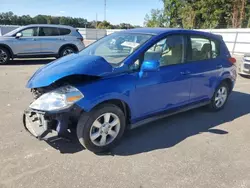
pixel 127 79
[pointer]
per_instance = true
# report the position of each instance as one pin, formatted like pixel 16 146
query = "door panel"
pixel 205 67
pixel 170 86
pixel 204 76
pixel 27 46
pixel 28 43
pixel 177 84
pixel 50 40
pixel 163 90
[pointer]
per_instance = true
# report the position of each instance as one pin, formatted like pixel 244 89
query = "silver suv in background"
pixel 40 41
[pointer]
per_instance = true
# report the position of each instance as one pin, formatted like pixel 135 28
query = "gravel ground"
pixel 189 150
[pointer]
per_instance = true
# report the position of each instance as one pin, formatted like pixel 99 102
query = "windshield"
pixel 11 33
pixel 116 47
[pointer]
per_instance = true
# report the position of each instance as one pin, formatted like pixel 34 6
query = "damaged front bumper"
pixel 35 123
pixel 40 123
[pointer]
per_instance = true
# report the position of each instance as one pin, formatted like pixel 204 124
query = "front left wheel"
pixel 102 128
pixel 4 55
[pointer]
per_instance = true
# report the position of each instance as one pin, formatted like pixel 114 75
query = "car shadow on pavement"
pixel 168 132
pixel 17 62
pixel 65 146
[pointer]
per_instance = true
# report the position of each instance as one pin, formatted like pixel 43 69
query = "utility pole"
pixel 104 10
pixel 96 27
pixel 96 21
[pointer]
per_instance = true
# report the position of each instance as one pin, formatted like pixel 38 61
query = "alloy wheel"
pixel 221 97
pixel 67 51
pixel 3 56
pixel 105 129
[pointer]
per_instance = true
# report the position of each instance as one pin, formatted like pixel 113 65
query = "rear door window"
pixel 64 31
pixel 203 48
pixel 48 31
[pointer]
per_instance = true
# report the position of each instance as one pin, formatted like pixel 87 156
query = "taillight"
pixel 232 60
pixel 81 39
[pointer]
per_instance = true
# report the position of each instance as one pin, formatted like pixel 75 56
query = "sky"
pixel 117 11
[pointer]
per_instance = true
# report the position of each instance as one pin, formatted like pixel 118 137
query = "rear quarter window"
pixel 215 48
pixel 64 31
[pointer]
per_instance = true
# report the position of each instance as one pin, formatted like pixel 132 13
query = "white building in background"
pixel 237 40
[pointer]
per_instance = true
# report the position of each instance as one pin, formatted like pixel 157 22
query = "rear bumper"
pixel 80 46
pixel 244 73
pixel 39 124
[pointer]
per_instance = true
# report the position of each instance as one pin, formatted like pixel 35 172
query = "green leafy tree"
pixel 155 19
pixel 40 19
pixel 8 18
pixel 172 10
pixel 104 25
pixel 125 26
pixel 201 14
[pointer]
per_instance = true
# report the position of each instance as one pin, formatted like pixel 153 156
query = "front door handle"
pixel 185 72
pixel 33 39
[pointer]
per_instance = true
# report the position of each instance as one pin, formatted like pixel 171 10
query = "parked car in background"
pixel 102 91
pixel 40 41
pixel 244 65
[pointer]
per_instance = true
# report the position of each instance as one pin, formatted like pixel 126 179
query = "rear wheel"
pixel 66 51
pixel 220 97
pixel 102 128
pixel 4 55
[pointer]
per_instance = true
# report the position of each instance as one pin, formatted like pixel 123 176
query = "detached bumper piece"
pixel 43 125
pixel 36 124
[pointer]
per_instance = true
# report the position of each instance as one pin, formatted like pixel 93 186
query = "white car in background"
pixel 244 66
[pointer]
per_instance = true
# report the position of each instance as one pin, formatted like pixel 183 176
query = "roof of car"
pixel 154 31
pixel 158 31
pixel 49 25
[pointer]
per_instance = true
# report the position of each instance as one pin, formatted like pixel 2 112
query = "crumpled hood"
pixel 74 64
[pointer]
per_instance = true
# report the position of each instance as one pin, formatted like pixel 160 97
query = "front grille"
pixel 247 66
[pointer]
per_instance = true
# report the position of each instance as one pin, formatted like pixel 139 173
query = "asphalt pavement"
pixel 192 149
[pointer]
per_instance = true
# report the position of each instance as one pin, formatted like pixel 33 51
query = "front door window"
pixel 30 32
pixel 169 51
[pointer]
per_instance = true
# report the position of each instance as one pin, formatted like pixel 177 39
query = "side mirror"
pixel 18 35
pixel 149 66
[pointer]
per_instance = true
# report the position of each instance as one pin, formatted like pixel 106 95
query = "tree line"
pixel 9 18
pixel 201 14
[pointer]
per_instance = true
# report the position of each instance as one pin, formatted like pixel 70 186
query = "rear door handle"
pixel 33 39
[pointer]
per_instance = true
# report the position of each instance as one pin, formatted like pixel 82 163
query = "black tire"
pixel 86 121
pixel 66 51
pixel 212 106
pixel 4 56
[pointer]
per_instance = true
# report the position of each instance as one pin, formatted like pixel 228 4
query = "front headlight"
pixel 59 99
